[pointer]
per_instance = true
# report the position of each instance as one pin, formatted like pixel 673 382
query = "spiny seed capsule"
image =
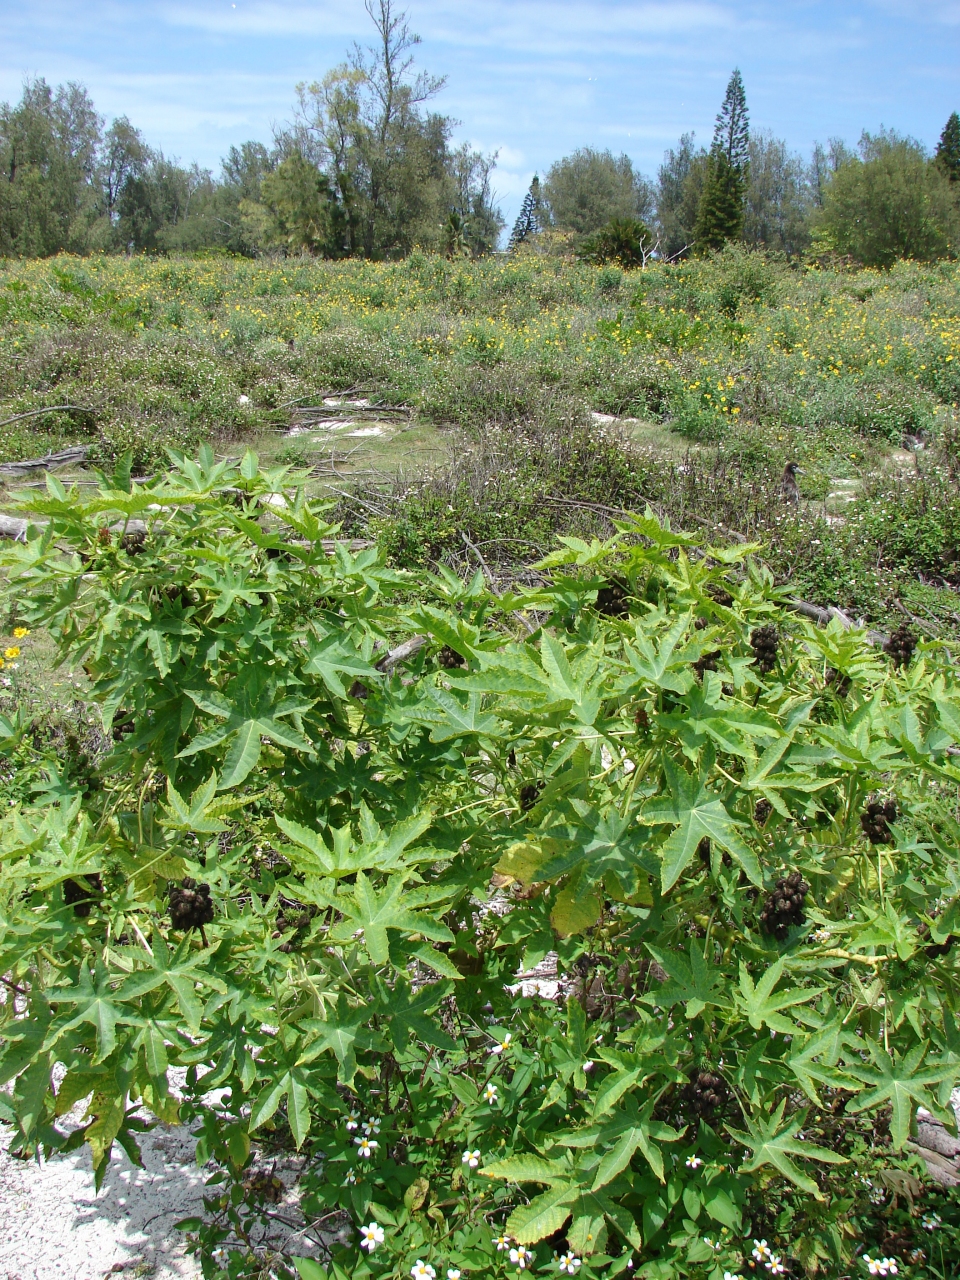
pixel 705 1094
pixel 190 905
pixel 79 896
pixel 762 811
pixel 765 641
pixel 706 662
pixel 264 1186
pixel 720 595
pixel 900 646
pixel 529 795
pixel 612 599
pixel 876 819
pixel 784 906
pixel 449 659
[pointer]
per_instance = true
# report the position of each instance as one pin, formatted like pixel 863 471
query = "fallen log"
pixel 49 462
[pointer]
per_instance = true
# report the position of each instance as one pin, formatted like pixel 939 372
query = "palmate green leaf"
pixel 762 1007
pixel 773 1142
pixel 333 657
pixel 457 719
pixel 624 1133
pixel 183 971
pixel 900 1083
pixel 603 840
pixel 96 1003
pixel 653 656
pixel 253 717
pixel 369 915
pixel 341 1033
pixel 194 816
pixel 694 984
pixel 695 812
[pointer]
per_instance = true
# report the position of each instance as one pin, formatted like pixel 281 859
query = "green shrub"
pixel 736 833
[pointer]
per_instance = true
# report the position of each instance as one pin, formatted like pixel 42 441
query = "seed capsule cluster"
pixel 529 795
pixel 765 641
pixel 900 646
pixel 81 898
pixel 290 919
pixel 720 595
pixel 449 659
pixel 705 1095
pixel 838 682
pixel 190 905
pixel 612 599
pixel 876 819
pixel 706 662
pixel 762 811
pixel 784 907
pixel 264 1186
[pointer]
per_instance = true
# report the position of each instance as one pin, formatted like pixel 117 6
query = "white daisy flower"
pixel 694 1162
pixel 453 1273
pixel 930 1221
pixel 502 1242
pixel 730 1275
pixel 471 1158
pixel 371 1236
pixel 775 1265
pixel 351 1179
pixel 761 1250
pixel 422 1271
pixel 371 1128
pixel 366 1147
pixel 220 1256
pixel 490 1092
pixel 353 1121
pixel 521 1256
pixel 568 1264
pixel 504 1043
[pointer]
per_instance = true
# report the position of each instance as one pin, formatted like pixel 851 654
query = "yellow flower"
pixel 20 632
pixel 12 652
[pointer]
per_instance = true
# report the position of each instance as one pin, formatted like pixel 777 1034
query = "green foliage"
pixel 626 241
pixel 948 148
pixel 530 218
pixel 435 828
pixel 588 189
pixel 307 213
pixel 891 202
pixel 720 212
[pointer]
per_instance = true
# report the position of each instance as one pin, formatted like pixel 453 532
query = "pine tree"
pixel 530 217
pixel 731 134
pixel 948 149
pixel 720 213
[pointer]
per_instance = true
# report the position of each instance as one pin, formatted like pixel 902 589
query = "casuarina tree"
pixel 720 214
pixel 948 148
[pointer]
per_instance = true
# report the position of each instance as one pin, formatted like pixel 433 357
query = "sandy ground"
pixel 53 1226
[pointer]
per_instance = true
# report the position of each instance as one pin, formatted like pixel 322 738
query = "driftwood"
pixel 76 453
pixel 824 616
pixel 939 1148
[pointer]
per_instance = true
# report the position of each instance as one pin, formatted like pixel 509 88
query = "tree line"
pixel 366 167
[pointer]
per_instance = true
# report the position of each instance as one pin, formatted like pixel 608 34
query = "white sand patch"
pixel 55 1227
pixel 367 431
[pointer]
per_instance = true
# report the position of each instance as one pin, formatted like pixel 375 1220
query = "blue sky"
pixel 530 78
